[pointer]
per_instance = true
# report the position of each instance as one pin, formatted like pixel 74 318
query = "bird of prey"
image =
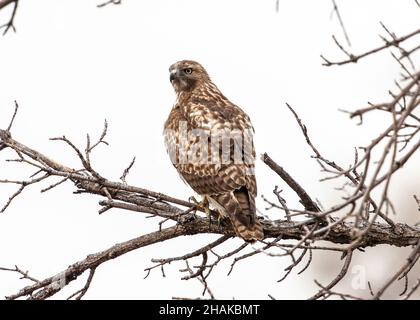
pixel 209 140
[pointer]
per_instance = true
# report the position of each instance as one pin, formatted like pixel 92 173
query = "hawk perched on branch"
pixel 209 140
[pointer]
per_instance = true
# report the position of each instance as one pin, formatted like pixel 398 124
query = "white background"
pixel 71 65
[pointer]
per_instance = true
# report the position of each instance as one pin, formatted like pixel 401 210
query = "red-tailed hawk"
pixel 209 140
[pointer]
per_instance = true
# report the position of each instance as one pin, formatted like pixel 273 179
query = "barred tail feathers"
pixel 239 206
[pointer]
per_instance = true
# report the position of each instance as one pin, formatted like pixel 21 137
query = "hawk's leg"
pixel 203 205
pixel 222 221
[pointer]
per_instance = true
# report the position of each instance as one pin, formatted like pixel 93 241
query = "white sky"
pixel 71 65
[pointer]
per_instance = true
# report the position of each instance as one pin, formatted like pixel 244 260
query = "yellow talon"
pixel 203 205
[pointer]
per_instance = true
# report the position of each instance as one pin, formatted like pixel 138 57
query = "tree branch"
pixel 9 25
pixel 303 195
pixel 352 58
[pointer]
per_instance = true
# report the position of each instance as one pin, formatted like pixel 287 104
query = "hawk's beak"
pixel 172 75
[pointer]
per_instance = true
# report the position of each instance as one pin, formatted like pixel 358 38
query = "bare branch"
pixel 411 261
pixel 13 117
pixel 343 272
pixel 305 198
pixel 127 170
pixel 355 58
pixel 24 274
pixel 80 293
pixel 10 24
pixel 115 2
pixel 49 286
pixel 337 12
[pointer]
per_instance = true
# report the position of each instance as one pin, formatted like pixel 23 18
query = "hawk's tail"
pixel 246 224
pixel 240 208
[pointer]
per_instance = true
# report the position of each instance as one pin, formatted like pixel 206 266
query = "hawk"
pixel 209 140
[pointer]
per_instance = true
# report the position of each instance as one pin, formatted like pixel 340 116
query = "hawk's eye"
pixel 188 70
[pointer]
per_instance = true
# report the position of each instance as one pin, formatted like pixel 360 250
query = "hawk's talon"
pixel 203 205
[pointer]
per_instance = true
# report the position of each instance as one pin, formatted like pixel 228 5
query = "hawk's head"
pixel 186 75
